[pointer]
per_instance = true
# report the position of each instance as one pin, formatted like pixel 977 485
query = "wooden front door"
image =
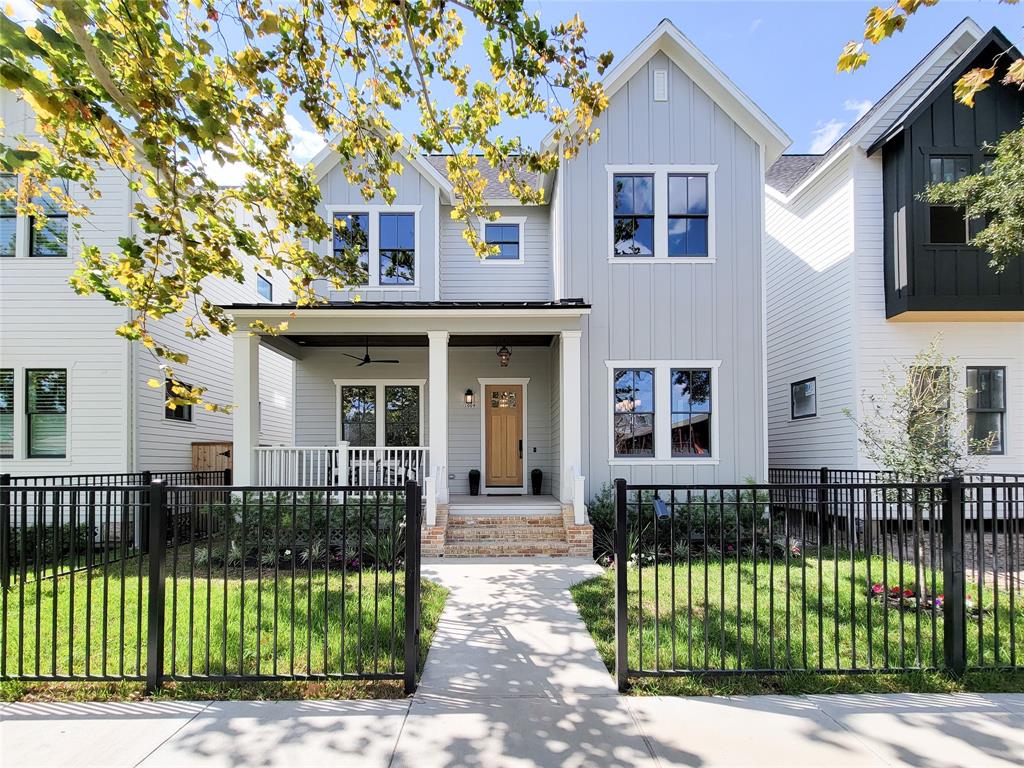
pixel 504 435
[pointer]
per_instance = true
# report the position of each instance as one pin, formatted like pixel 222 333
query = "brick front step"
pixel 500 521
pixel 506 533
pixel 506 549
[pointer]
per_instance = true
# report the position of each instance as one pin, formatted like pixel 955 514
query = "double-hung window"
pixel 49 238
pixel 506 235
pixel 46 408
pixel 397 248
pixel 662 213
pixel 986 409
pixel 6 413
pixel 663 411
pixel 381 413
pixel 8 214
pixel 633 228
pixel 377 246
pixel 633 412
pixel 947 224
pixel 687 214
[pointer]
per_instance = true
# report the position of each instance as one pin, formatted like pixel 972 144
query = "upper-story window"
pixel 265 288
pixel 947 224
pixel 507 235
pixel 49 238
pixel 379 244
pixel 634 215
pixel 662 212
pixel 8 215
pixel 397 249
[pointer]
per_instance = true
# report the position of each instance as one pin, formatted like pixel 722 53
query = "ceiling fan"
pixel 365 359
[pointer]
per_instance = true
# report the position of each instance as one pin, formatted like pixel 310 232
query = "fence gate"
pixel 844 577
pixel 173 582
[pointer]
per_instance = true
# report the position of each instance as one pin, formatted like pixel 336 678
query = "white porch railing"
pixel 338 465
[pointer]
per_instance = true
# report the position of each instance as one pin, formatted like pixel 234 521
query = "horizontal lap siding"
pixel 671 311
pixel 464 277
pixel 882 342
pixel 810 244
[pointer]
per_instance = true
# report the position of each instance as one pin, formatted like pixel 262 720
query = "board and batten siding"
pixel 465 277
pixel 810 259
pixel 881 342
pixel 681 311
pixel 413 190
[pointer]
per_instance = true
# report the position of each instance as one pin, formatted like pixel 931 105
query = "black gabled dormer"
pixel 930 265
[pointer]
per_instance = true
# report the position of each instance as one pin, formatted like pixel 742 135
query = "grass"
pixel 715 630
pixel 306 626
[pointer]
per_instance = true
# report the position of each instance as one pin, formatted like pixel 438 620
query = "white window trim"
pixel 373 214
pixel 379 409
pixel 23 237
pixel 482 384
pixel 519 221
pixel 663 413
pixel 20 420
pixel 661 174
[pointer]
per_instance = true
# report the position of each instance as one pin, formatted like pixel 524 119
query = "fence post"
pixel 5 531
pixel 142 522
pixel 621 560
pixel 824 527
pixel 157 542
pixel 954 607
pixel 412 584
pixel 227 476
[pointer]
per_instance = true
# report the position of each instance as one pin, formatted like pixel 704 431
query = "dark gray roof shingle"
pixel 495 189
pixel 789 170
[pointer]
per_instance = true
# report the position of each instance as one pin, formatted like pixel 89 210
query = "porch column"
pixel 438 412
pixel 246 348
pixel 571 422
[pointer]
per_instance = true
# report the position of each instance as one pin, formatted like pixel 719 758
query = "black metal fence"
pixel 169 476
pixel 865 577
pixel 166 582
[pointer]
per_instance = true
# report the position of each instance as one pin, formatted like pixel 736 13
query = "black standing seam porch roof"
pixel 569 304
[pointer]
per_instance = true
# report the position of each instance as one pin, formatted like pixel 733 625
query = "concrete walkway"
pixel 513 679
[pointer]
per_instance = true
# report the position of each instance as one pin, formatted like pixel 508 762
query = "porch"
pixel 419 391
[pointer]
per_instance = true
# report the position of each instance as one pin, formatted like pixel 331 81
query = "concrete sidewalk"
pixel 513 679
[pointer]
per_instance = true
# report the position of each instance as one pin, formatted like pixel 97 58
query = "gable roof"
pixel 667 37
pixel 952 73
pixel 786 172
pixel 966 33
pixel 327 158
pixel 496 191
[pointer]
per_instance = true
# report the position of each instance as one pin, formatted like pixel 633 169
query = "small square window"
pixel 175 412
pixel 506 238
pixel 803 399
pixel 265 287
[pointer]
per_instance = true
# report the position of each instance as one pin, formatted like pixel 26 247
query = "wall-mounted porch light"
pixel 504 355
pixel 469 398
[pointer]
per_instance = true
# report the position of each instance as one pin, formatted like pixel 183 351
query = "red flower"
pixel 908 593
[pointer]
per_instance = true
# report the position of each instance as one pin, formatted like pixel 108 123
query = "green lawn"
pixel 710 625
pixel 263 625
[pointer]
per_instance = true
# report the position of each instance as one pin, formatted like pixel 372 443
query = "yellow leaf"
pixel 1015 74
pixel 153 383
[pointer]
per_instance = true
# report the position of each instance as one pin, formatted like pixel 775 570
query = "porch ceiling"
pixel 418 340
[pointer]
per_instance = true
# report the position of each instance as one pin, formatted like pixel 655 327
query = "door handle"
pixel 520 449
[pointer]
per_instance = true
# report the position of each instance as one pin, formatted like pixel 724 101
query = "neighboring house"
pixel 619 332
pixel 863 273
pixel 74 397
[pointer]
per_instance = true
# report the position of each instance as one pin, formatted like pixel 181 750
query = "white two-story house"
pixel 863 273
pixel 618 333
pixel 74 397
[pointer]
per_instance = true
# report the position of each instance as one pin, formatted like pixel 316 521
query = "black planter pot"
pixel 474 482
pixel 536 477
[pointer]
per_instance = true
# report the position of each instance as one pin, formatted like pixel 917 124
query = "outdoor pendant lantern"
pixel 504 355
pixel 660 509
pixel 469 398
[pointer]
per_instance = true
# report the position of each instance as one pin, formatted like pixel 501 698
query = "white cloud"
pixel 225 174
pixel 858 106
pixel 22 10
pixel 825 135
pixel 305 142
pixel 754 26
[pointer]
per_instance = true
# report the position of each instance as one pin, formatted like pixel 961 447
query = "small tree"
pixel 915 428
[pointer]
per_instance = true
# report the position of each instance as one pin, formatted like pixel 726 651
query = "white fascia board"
pixel 716 84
